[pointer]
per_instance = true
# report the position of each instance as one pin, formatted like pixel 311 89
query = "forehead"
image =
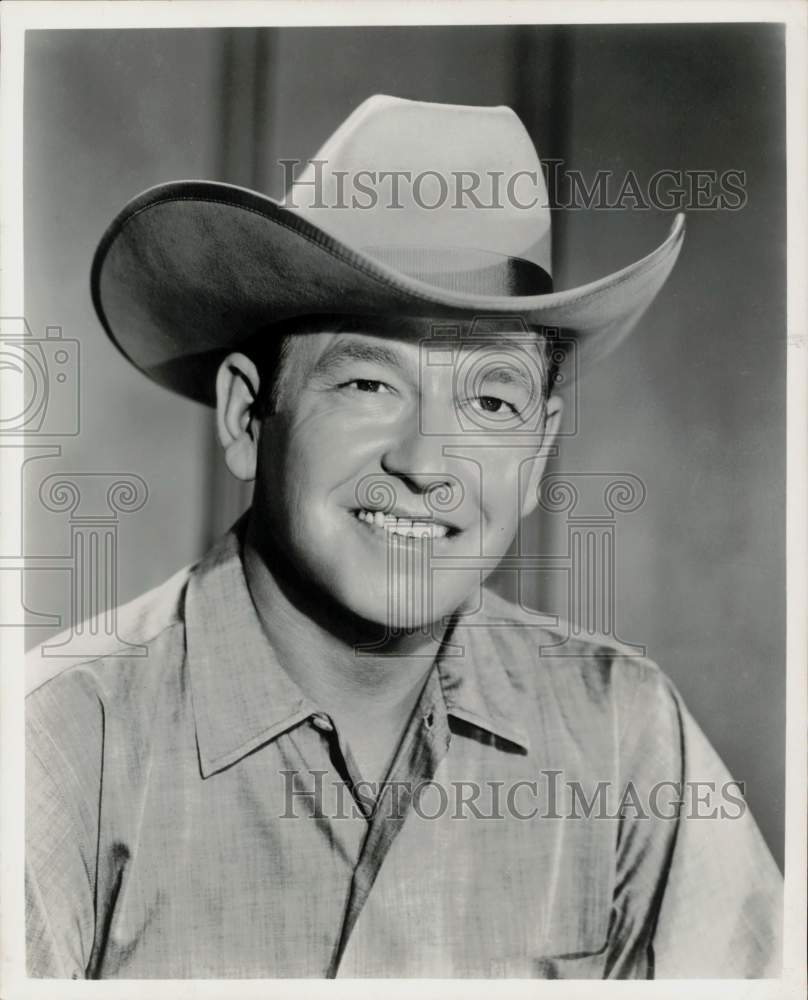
pixel 402 338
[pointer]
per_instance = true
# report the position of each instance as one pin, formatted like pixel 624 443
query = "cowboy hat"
pixel 410 208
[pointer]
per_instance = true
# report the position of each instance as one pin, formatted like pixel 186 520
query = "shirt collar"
pixel 243 698
pixel 479 668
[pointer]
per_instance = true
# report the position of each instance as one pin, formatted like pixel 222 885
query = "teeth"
pixel 403 526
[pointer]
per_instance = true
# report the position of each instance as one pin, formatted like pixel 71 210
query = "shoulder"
pixel 76 681
pixel 595 683
pixel 534 648
pixel 139 625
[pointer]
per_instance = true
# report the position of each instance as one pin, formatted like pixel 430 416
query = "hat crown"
pixel 413 176
pixel 190 270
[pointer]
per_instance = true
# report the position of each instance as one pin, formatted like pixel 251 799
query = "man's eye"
pixel 366 385
pixel 495 405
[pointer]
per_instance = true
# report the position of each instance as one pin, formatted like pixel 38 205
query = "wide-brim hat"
pixel 410 209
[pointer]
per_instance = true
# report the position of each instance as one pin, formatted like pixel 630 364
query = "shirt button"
pixel 429 719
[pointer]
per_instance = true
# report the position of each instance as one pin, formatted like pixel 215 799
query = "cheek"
pixel 504 483
pixel 314 455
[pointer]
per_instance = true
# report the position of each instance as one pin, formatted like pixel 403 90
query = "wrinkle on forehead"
pixel 502 332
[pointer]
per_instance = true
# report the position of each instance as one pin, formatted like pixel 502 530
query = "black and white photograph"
pixel 403 559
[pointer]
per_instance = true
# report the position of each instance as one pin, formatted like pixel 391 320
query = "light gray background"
pixel 694 405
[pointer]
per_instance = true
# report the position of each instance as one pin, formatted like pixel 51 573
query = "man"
pixel 340 755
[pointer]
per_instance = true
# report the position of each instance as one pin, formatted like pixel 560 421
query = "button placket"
pixel 417 759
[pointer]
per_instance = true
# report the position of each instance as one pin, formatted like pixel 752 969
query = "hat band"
pixel 456 269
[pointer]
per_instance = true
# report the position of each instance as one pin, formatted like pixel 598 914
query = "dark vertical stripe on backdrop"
pixel 542 96
pixel 244 151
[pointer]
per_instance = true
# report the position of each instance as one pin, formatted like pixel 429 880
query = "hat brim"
pixel 190 270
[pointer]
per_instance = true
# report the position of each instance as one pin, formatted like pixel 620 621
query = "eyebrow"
pixel 510 376
pixel 356 350
pixel 377 353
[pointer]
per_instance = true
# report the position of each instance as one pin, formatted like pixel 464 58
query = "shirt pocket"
pixel 568 937
pixel 586 961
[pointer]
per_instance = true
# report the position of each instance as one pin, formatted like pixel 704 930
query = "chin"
pixel 403 604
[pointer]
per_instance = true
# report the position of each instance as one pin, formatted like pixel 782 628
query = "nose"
pixel 416 458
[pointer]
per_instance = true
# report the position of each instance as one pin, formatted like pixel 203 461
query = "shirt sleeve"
pixel 63 737
pixel 697 893
pixel 722 909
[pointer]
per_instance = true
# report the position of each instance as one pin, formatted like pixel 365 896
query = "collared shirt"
pixel 548 812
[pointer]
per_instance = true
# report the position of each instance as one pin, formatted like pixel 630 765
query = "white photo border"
pixel 17 18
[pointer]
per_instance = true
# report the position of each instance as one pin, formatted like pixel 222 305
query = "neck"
pixel 318 643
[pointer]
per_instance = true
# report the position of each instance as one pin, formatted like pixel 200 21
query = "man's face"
pixel 398 463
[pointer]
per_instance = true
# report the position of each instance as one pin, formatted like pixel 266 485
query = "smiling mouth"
pixel 405 527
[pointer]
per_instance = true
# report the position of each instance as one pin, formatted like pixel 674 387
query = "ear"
pixel 237 384
pixel 552 422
